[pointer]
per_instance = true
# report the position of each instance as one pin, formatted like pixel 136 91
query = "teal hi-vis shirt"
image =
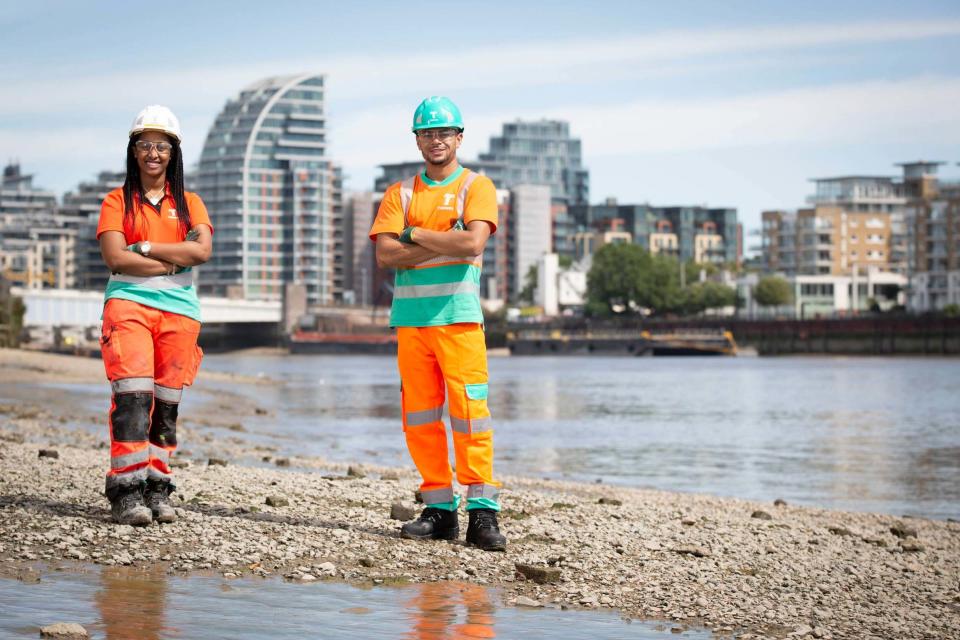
pixel 444 290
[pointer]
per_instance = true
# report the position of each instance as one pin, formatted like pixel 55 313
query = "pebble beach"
pixel 741 568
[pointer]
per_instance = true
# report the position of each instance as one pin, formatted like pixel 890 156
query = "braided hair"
pixel 133 187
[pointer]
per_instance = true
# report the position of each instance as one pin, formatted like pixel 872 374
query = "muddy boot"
pixel 433 524
pixel 127 508
pixel 157 497
pixel 483 531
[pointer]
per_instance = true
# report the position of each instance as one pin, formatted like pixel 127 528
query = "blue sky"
pixel 725 104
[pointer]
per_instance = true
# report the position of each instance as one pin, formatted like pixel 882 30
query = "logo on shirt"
pixel 447 199
pixel 172 215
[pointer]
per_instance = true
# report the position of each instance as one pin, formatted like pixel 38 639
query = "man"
pixel 432 229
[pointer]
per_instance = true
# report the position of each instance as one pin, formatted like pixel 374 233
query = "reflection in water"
pixel 123 603
pixel 132 602
pixel 435 610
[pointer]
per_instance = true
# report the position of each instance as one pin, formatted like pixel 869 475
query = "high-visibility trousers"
pixel 448 360
pixel 149 356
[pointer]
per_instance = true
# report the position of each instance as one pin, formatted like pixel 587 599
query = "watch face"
pixel 145 247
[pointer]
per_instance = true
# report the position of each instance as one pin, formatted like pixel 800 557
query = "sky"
pixel 733 104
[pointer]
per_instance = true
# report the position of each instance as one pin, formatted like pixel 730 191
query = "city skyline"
pixel 692 105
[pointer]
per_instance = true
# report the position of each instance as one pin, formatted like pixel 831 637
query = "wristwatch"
pixel 144 248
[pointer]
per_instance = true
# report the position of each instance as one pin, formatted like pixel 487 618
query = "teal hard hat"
pixel 437 111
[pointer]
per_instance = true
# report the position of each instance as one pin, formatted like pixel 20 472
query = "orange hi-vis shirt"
pixel 174 293
pixel 149 223
pixel 444 290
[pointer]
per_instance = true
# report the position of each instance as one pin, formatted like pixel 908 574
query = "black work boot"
pixel 157 497
pixel 127 507
pixel 433 524
pixel 483 531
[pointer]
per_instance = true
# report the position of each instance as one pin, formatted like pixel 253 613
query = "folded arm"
pixel 113 248
pixel 392 253
pixel 457 243
pixel 188 253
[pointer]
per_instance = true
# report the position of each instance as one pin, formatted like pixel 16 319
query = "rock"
pixel 327 568
pixel 523 601
pixel 355 472
pixel 761 515
pixel 611 501
pixel 65 630
pixel 277 501
pixel 402 512
pixel 178 463
pixel 802 630
pixel 839 531
pixel 901 530
pixel 216 462
pixel 911 545
pixel 389 475
pixel 540 575
pixel 779 502
pixel 878 542
pixel 282 462
pixel 690 550
pixel 688 522
pixel 367 562
pixel 818 632
pixel 418 497
pixel 48 453
pixel 308 577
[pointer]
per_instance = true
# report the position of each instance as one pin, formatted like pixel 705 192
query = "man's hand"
pixel 407 236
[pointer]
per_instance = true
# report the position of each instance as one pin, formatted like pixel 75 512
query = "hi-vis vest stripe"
pixel 173 293
pixel 443 290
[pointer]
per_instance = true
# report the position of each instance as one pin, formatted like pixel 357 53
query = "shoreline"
pixel 730 565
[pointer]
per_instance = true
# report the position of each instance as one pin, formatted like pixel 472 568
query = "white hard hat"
pixel 156 118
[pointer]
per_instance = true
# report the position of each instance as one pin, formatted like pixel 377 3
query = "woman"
pixel 151 233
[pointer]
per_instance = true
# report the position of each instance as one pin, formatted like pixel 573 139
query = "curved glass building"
pixel 273 195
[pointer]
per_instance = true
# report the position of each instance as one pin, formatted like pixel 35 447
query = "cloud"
pixel 552 62
pixel 915 111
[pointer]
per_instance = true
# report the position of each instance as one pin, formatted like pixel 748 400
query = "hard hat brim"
pixel 139 130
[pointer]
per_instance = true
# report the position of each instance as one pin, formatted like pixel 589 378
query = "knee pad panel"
pixel 131 416
pixel 163 427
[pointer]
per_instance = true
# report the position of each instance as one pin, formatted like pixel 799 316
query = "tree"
pixel 701 296
pixel 529 285
pixel 772 291
pixel 616 278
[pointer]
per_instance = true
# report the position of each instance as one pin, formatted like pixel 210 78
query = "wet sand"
pixel 734 566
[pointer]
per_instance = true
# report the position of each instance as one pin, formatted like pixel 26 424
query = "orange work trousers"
pixel 451 359
pixel 149 356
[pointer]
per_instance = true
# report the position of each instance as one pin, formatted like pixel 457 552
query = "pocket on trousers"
pixel 476 391
pixel 110 350
pixel 191 372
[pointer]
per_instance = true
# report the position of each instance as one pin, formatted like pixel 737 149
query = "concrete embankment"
pixel 733 566
pixel 874 335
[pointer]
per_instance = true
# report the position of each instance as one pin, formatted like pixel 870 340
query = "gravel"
pixel 691 559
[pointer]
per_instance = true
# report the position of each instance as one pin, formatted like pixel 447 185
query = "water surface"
pixel 115 603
